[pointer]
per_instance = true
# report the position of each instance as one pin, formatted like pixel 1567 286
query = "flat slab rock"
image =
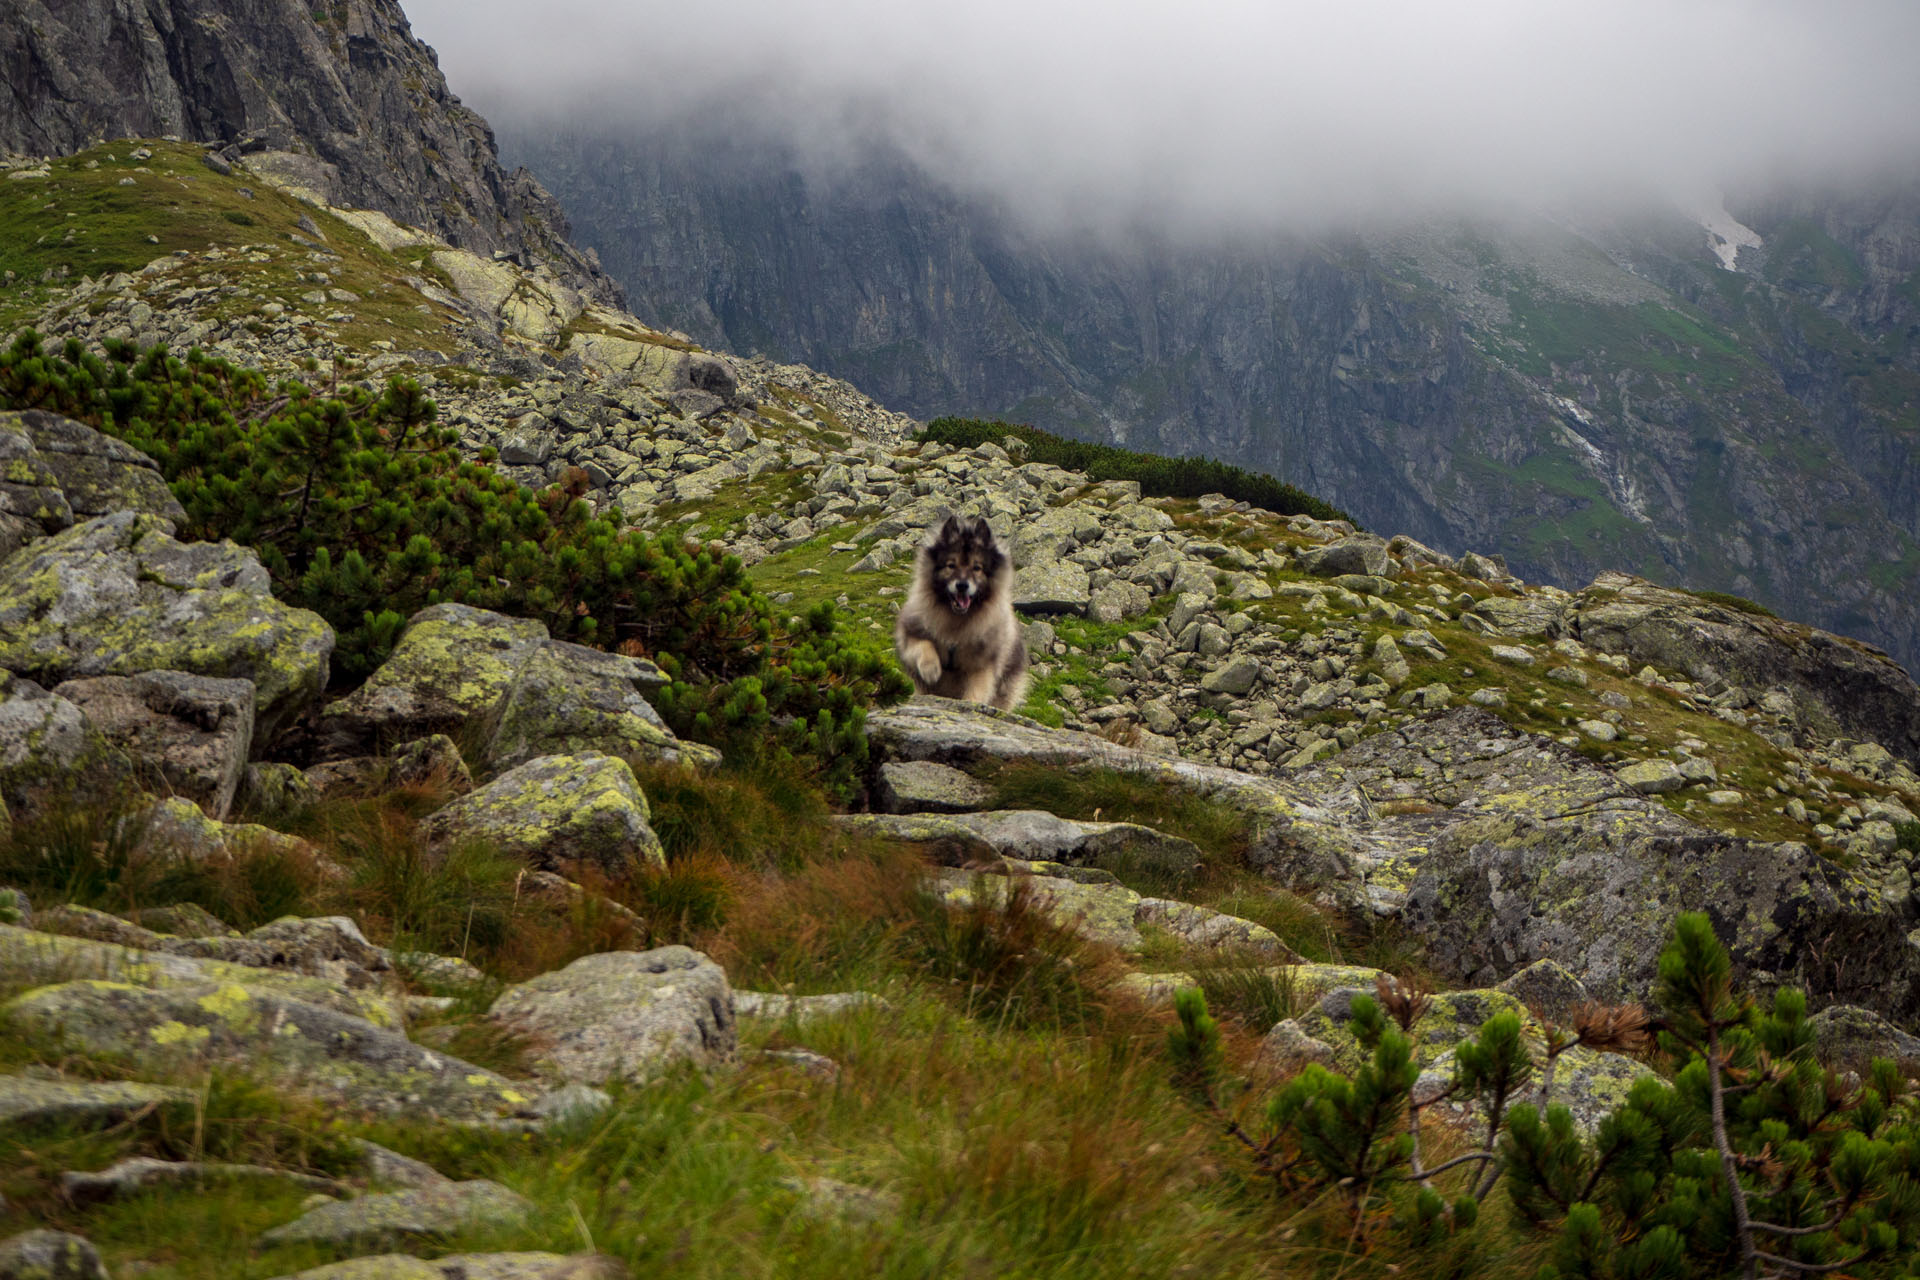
pixel 30 1100
pixel 1033 835
pixel 920 786
pixel 624 1015
pixel 557 810
pixel 391 1216
pixel 471 1266
pixel 132 1175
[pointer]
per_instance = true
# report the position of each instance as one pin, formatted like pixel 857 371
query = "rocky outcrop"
pixel 557 810
pixel 342 99
pixel 186 735
pixel 54 471
pixel 119 596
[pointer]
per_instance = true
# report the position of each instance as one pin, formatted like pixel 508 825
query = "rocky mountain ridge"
pixel 339 99
pixel 1576 397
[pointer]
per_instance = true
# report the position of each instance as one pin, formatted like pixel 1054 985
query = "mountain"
pixel 1737 411
pixel 339 96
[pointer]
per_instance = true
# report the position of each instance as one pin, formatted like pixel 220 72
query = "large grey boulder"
pixel 624 1015
pixel 1519 616
pixel 501 685
pixel 50 1255
pixel 419 1213
pixel 1358 553
pixel 33 1101
pixel 1052 586
pixel 557 810
pixel 118 595
pixel 1038 836
pixel 185 735
pixel 1839 687
pixel 55 471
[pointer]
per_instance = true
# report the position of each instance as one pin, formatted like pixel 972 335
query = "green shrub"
pixel 1158 477
pixel 361 509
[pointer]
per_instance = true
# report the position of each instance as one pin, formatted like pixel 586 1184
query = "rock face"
pixel 1838 687
pixel 49 754
pixel 343 97
pixel 118 595
pixel 557 810
pixel 624 1015
pixel 188 735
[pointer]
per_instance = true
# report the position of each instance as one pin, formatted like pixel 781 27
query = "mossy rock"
pixel 555 811
pixel 51 755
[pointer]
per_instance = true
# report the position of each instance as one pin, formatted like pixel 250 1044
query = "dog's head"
pixel 963 563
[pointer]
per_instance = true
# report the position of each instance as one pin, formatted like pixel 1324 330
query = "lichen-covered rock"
pixel 624 1015
pixel 33 1101
pixel 453 663
pixel 940 839
pixel 180 828
pixel 118 595
pixel 1287 1048
pixel 1653 777
pixel 50 755
pixel 186 735
pixel 1548 990
pixel 183 919
pixel 420 1213
pixel 96 474
pixel 50 1255
pixel 136 1173
pixel 1520 616
pixel 1850 1035
pixel 1359 553
pixel 919 786
pixel 1052 586
pixel 307 1044
pixel 557 810
pixel 270 787
pixel 784 1008
pixel 31 502
pixel 1036 835
pixel 1099 912
pixel 1206 928
pixel 567 699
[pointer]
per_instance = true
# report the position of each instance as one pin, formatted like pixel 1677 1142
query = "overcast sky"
pixel 1236 112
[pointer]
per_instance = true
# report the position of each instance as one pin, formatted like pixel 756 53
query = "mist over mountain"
pixel 1624 286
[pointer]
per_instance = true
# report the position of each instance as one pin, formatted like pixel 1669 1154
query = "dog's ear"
pixel 983 534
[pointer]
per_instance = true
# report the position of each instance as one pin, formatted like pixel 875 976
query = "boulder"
pixel 1206 928
pixel 1100 910
pixel 1838 687
pixel 50 1255
pixel 1851 1036
pixel 1052 586
pixel 940 839
pixel 557 810
pixel 1233 677
pixel 95 474
pixel 185 735
pixel 1653 777
pixel 118 595
pixel 1359 553
pixel 452 664
pixel 623 1015
pixel 342 1056
pixel 181 828
pixel 1035 835
pixel 419 1213
pixel 1520 616
pixel 137 1173
pixel 566 699
pixel 50 756
pixel 918 786
pixel 1548 990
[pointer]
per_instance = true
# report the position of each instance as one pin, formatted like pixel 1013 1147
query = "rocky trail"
pixel 1521 784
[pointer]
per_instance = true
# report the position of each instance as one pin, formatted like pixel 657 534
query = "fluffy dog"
pixel 957 636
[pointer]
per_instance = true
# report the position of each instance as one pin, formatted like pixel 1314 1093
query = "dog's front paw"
pixel 927 667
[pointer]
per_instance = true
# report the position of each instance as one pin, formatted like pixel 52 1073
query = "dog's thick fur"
pixel 957 636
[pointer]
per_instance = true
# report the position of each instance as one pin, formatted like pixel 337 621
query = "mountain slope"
pixel 341 96
pixel 1578 398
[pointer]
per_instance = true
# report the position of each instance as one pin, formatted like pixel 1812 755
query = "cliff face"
pixel 343 92
pixel 1578 398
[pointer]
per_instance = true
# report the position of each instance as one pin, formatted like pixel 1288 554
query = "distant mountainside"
pixel 338 95
pixel 1739 411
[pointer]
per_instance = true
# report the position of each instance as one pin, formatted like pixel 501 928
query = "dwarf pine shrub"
pixel 362 510
pixel 1743 1157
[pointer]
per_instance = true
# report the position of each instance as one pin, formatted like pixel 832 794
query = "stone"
pixel 1118 601
pixel 1521 616
pixel 1597 730
pixel 1652 777
pixel 434 759
pixel 1548 989
pixel 50 1255
pixel 773 1006
pixel 1052 586
pixel 1389 661
pixel 418 1213
pixel 31 1101
pixel 1287 1048
pixel 829 1198
pixel 554 811
pixel 1234 677
pixel 1102 913
pixel 1360 553
pixel 918 786
pixel 1038 836
pixel 452 664
pixel 1204 927
pixel 55 471
pixel 136 1173
pixel 1432 697
pixel 566 699
pixel 338 1054
pixel 1488 698
pixel 182 829
pixel 1512 653
pixel 623 1015
pixel 940 839
pixel 1851 1036
pixel 118 595
pixel 50 756
pixel 186 735
pixel 272 787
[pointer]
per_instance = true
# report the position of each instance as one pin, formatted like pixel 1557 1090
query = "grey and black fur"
pixel 957 636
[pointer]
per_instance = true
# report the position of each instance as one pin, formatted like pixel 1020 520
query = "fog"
pixel 1235 114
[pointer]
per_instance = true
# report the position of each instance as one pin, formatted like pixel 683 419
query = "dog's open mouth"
pixel 962 603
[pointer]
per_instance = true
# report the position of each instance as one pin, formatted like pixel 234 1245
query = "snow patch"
pixel 1726 234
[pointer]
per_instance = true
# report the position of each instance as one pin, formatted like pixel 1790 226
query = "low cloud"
pixel 1236 114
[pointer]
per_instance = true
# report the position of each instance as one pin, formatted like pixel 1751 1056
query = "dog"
pixel 956 634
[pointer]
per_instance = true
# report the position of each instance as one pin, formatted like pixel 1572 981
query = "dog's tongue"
pixel 963 603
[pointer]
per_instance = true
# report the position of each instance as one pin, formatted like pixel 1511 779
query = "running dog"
pixel 957 636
